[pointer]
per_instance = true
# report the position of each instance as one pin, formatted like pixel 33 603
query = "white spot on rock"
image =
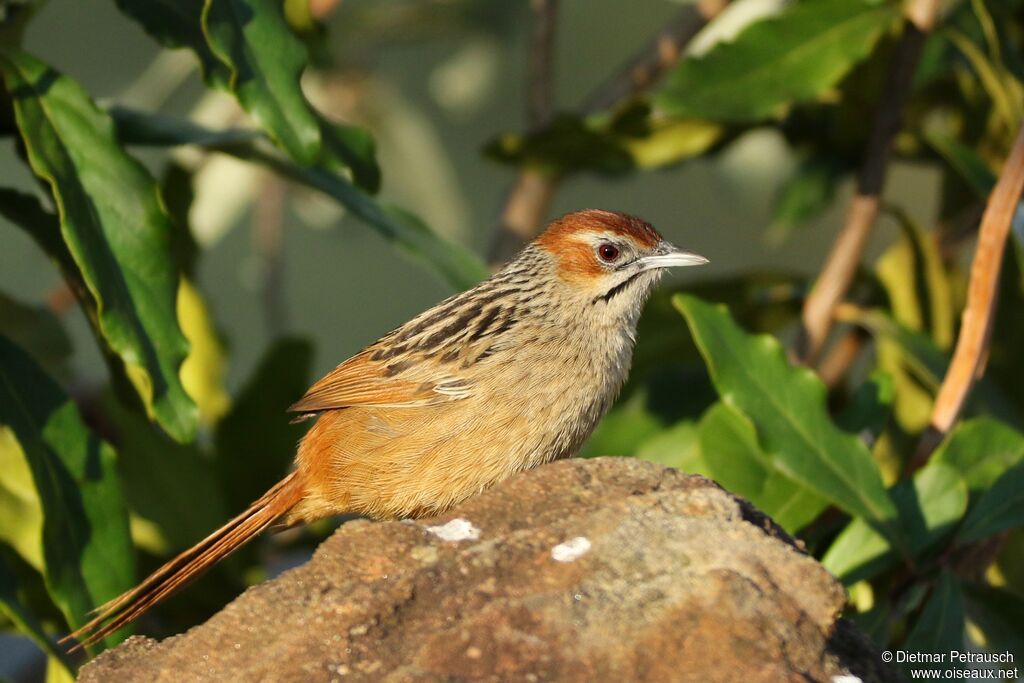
pixel 571 550
pixel 846 679
pixel 456 530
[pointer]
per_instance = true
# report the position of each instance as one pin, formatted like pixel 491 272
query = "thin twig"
pixel 844 258
pixel 652 60
pixel 528 200
pixel 268 241
pixel 540 67
pixel 972 345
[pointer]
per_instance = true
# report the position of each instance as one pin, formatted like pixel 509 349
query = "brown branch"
pixel 527 202
pixel 644 68
pixel 844 258
pixel 540 64
pixel 972 345
pixel 268 242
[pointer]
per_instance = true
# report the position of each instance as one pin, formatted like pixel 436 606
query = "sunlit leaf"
pixel 981 450
pixel 19 502
pixel 787 407
pixel 115 227
pixel 86 545
pixel 790 57
pixel 203 371
pixel 929 507
pixel 728 443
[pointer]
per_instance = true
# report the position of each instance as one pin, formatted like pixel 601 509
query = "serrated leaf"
pixel 998 509
pixel 981 450
pixel 940 626
pixel 116 229
pixel 12 607
pixel 929 506
pixel 86 545
pixel 794 56
pixel 787 407
pixel 728 443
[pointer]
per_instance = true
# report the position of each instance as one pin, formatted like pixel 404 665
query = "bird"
pixel 504 377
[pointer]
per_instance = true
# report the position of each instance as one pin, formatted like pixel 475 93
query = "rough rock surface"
pixel 584 570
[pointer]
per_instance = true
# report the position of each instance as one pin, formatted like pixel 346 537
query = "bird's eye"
pixel 608 252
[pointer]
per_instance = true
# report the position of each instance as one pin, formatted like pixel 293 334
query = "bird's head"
pixel 611 260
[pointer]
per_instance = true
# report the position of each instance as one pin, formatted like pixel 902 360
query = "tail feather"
pixel 174 574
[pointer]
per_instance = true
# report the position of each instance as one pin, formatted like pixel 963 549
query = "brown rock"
pixel 610 569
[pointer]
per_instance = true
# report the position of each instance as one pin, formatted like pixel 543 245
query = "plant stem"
pixel 845 255
pixel 972 346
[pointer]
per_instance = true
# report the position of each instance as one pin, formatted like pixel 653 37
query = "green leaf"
pixel 116 228
pixel 678 447
pixel 255 441
pixel 265 59
pixel 787 407
pixel 458 266
pixel 12 607
pixel 869 407
pixel 177 23
pixel 940 626
pixel 623 429
pixel 247 48
pixel 998 509
pixel 728 443
pixel 86 544
pixel 981 450
pixel 19 502
pixel 792 57
pixel 929 507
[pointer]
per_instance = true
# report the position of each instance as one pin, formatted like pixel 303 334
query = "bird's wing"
pixel 363 381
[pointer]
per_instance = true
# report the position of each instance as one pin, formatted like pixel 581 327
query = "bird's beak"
pixel 668 256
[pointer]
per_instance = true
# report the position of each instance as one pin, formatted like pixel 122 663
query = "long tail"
pixel 177 572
